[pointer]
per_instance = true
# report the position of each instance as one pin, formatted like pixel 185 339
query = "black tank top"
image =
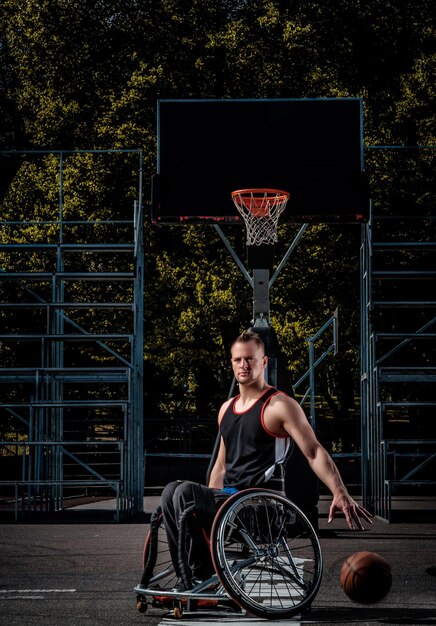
pixel 254 456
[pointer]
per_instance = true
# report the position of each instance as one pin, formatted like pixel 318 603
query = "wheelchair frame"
pixel 265 552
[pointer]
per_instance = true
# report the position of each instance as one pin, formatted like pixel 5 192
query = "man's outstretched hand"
pixel 354 513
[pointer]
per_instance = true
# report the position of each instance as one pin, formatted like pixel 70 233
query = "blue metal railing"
pixel 43 415
pixel 315 362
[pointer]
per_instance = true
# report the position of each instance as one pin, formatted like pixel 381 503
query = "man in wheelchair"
pixel 257 428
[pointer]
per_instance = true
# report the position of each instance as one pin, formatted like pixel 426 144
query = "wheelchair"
pixel 265 553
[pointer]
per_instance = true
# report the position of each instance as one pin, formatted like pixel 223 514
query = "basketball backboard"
pixel 312 148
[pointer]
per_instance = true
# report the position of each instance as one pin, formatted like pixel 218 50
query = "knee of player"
pixel 169 490
pixel 184 490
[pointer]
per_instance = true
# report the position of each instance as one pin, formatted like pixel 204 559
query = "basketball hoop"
pixel 260 210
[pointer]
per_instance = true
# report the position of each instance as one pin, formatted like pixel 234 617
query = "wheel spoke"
pixel 266 554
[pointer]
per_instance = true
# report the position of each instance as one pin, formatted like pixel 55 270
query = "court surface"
pixel 79 572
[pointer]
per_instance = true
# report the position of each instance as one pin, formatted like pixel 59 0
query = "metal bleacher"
pixel 71 272
pixel 398 259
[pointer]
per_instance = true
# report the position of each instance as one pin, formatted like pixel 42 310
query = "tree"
pixel 82 74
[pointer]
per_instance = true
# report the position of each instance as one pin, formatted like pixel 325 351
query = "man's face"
pixel 248 362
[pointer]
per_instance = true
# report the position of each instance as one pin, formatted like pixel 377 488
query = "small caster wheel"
pixel 141 605
pixel 178 610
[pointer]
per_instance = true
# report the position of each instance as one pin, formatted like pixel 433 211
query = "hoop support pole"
pixel 261 315
pixel 288 254
pixel 234 255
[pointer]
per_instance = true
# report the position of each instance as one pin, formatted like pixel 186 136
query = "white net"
pixel 260 209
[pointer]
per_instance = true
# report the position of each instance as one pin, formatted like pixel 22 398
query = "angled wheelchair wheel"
pixel 158 568
pixel 266 554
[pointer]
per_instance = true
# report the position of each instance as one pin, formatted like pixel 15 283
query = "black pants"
pixel 176 498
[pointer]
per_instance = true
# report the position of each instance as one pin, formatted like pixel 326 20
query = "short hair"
pixel 249 335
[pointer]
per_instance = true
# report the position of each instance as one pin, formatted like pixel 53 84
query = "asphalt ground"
pixel 75 572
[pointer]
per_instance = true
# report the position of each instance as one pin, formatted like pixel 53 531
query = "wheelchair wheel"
pixel 266 554
pixel 158 568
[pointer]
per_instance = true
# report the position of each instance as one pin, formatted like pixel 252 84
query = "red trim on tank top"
pixel 235 399
pixel 262 420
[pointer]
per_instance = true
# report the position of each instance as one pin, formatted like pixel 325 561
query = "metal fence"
pixel 398 328
pixel 71 270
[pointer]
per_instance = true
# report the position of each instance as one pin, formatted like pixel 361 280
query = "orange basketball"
pixel 366 577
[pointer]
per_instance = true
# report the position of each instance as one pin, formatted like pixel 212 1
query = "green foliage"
pixel 194 303
pixel 78 74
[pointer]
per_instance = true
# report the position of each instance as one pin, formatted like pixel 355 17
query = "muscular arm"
pixel 292 419
pixel 319 459
pixel 216 480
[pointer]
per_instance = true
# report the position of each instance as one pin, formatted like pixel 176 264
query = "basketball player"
pixel 257 428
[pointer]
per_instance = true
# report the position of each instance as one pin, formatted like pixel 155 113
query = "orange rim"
pixel 259 201
pixel 273 194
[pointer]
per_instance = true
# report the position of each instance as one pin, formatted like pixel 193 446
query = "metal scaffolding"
pixel 398 319
pixel 71 379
